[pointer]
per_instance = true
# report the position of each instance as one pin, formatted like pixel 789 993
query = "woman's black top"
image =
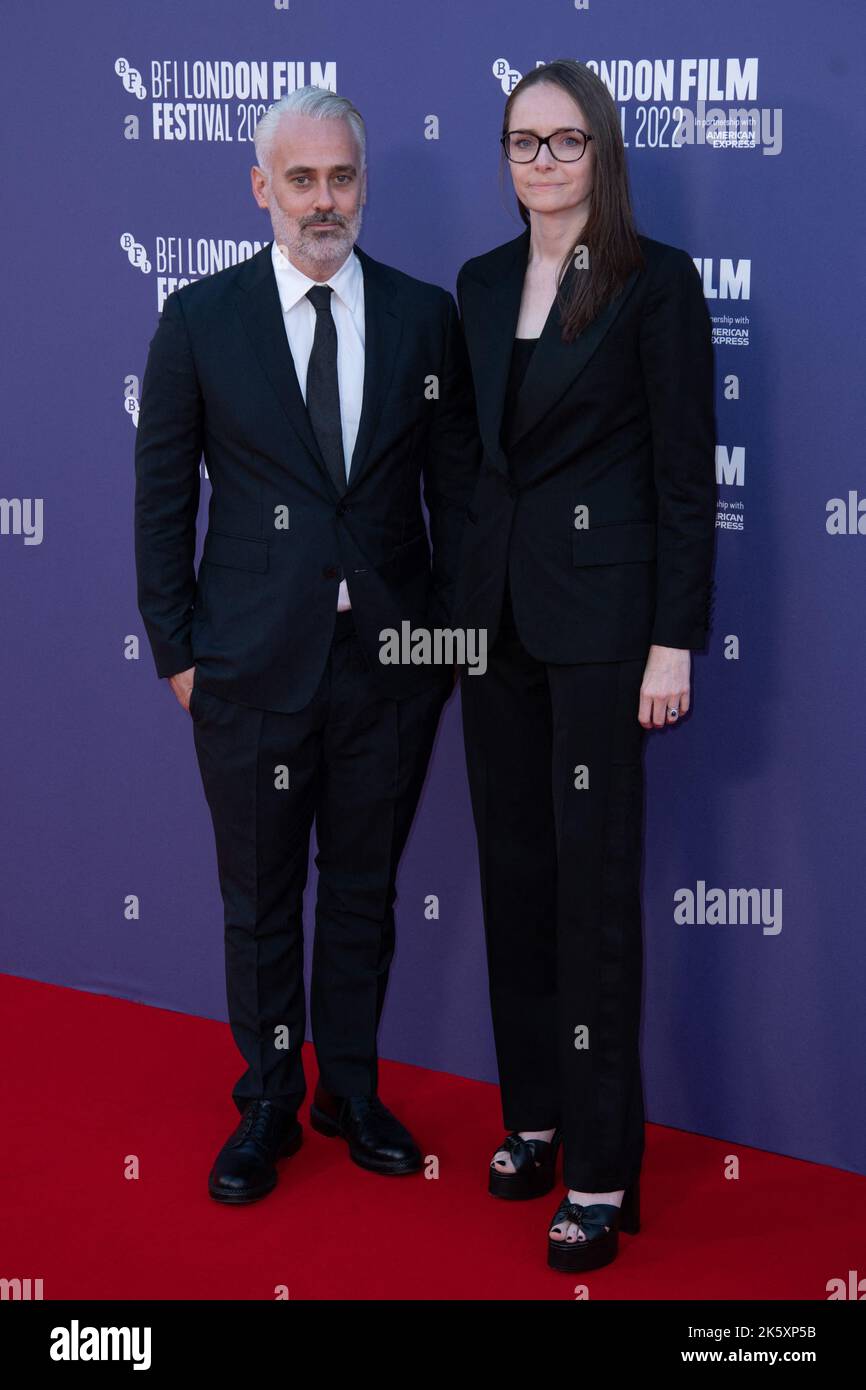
pixel 521 351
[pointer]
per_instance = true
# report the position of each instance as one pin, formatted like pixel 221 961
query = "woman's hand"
pixel 665 686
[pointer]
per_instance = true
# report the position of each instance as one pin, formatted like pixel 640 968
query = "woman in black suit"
pixel 587 557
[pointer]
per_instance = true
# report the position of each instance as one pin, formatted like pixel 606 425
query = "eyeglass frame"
pixel 545 140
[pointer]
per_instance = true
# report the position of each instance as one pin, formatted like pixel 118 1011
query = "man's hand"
pixel 665 686
pixel 182 685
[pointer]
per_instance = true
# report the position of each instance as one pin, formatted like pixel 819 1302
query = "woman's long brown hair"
pixel 609 233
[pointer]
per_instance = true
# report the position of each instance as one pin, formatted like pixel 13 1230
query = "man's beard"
pixel 298 242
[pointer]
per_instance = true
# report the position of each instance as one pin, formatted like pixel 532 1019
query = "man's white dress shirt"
pixel 299 317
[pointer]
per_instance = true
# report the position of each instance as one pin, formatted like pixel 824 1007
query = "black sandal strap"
pixel 591 1219
pixel 525 1153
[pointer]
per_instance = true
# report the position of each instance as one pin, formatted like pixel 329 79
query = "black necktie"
pixel 323 388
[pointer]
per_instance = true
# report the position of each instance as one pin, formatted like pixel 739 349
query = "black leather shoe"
pixel 377 1140
pixel 245 1167
pixel 601 1223
pixel 534 1163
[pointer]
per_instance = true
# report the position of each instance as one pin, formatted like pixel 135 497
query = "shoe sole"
pixel 506 1186
pixel 233 1199
pixel 323 1124
pixel 240 1199
pixel 581 1255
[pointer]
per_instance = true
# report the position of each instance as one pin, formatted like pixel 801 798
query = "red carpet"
pixel 87 1083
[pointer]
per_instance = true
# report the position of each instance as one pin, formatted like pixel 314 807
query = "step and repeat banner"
pixel 128 145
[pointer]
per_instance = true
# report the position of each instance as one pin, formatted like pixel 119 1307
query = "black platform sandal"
pixel 534 1167
pixel 601 1245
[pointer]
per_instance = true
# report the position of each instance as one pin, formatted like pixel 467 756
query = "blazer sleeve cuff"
pixel 170 658
pixel 694 640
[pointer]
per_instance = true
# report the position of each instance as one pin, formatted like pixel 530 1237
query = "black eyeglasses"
pixel 522 146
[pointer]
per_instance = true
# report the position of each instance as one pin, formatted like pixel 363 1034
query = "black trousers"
pixel 354 763
pixel 554 756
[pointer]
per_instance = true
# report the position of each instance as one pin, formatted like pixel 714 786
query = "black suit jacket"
pixel 258 619
pixel 620 421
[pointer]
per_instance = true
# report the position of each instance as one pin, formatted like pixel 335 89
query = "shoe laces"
pixel 256 1123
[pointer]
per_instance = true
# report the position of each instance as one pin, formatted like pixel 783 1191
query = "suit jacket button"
pixel 330 572
pixel 342 508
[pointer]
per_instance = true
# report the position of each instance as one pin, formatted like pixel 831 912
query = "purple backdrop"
pixel 753 1026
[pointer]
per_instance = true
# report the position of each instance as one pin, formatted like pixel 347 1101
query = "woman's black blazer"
pixel 603 510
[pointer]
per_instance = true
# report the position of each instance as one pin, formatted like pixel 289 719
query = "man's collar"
pixel 347 282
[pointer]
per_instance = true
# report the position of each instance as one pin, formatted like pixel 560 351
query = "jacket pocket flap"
pixel 614 544
pixel 238 552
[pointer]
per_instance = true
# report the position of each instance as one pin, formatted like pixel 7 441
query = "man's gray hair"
pixel 307 101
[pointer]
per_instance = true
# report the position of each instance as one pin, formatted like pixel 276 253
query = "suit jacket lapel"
pixel 258 303
pixel 491 312
pixel 554 365
pixel 383 328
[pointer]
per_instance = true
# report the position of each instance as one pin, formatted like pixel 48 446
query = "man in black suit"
pixel 321 386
